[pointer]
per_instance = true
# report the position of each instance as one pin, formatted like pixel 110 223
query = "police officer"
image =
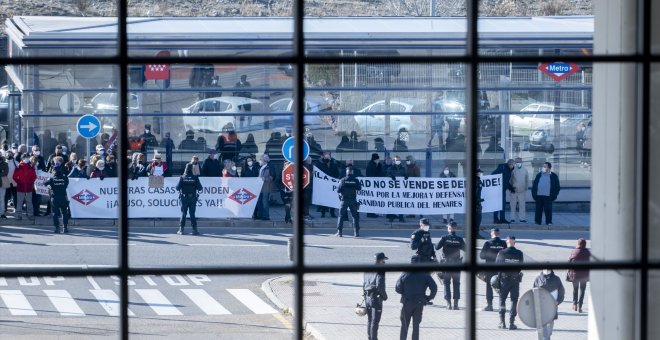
pixel 451 245
pixel 489 253
pixel 347 190
pixel 509 281
pixel 188 187
pixel 59 203
pixel 420 240
pixel 412 287
pixel 374 295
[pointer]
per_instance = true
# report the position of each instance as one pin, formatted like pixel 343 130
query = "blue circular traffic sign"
pixel 288 151
pixel 88 126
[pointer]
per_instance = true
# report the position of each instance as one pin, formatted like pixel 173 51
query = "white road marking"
pixel 158 302
pixel 205 302
pixel 50 266
pixel 252 301
pixel 16 302
pixel 93 283
pixel 86 244
pixel 224 245
pixel 109 301
pixel 3 281
pixel 63 302
pixel 348 246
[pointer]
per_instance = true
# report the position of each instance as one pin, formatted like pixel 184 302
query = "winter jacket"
pixel 579 255
pixel 250 172
pixel 4 171
pixel 12 166
pixel 520 179
pixel 374 170
pixel 97 173
pixel 554 185
pixel 268 177
pixel 551 283
pixel 412 170
pixel 211 168
pixel 506 175
pixel 77 173
pixel 397 171
pixel 25 176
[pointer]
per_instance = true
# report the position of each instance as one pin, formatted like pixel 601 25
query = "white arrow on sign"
pixel 90 126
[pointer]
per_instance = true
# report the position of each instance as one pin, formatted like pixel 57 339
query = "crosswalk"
pixel 149 302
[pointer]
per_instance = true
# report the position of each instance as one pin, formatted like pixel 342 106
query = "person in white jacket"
pixel 10 192
pixel 520 182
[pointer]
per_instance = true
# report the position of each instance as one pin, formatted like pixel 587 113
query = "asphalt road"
pixel 227 307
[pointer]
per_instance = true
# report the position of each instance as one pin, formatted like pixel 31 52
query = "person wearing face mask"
pixel 373 287
pixel 58 184
pixel 396 170
pixel 509 281
pixel 4 184
pixel 519 182
pixel 505 170
pixel 189 187
pixel 39 164
pixel 328 165
pixel 451 246
pixel 59 152
pixel 267 176
pixel 374 169
pixel 71 163
pixel 211 166
pixel 10 193
pixel 421 243
pixel 552 283
pixel 230 169
pixel 80 170
pixel 148 139
pixel 197 166
pixel 157 167
pixel 25 176
pixel 489 253
pixel 250 169
pixel 545 190
pixel 356 171
pixel 99 170
pixel 446 173
pixel 110 166
pixel 347 190
pixel 412 170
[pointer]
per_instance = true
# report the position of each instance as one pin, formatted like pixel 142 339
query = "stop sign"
pixel 288 177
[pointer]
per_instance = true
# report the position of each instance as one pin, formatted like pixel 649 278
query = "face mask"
pixel 519 165
pixel 408 162
pixel 397 162
pixel 425 228
pixel 233 168
pixel 547 271
pixel 446 172
pixel 250 163
pixel 146 131
pixel 37 153
pixel 100 167
pixel 26 161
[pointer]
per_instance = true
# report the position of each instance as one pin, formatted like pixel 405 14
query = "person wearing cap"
pixel 420 241
pixel 489 253
pixel 157 167
pixel 148 139
pixel 412 286
pixel 505 170
pixel 374 295
pixel 509 281
pixel 552 283
pixel 451 246
pixel 188 188
pixel 347 190
pixel 59 201
pixel 267 176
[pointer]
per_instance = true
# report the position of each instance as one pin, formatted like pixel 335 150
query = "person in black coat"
pixel 505 169
pixel 396 170
pixel 412 286
pixel 545 190
pixel 489 253
pixel 552 283
pixel 374 169
pixel 250 146
pixel 211 166
pixel 375 293
pixel 249 168
pixel 509 281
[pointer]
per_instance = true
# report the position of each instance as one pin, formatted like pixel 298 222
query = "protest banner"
pixel 416 195
pixel 220 198
pixel 39 186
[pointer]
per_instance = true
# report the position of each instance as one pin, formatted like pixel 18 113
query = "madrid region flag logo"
pixel 242 196
pixel 85 197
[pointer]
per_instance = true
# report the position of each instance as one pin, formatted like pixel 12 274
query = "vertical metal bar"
pixel 122 52
pixel 471 164
pixel 645 175
pixel 298 197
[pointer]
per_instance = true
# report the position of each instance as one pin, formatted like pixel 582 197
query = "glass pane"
pixel 654 291
pixel 201 306
pixel 44 138
pixel 33 307
pixel 654 139
pixel 221 119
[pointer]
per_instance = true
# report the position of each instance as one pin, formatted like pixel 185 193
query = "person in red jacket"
pixel 579 277
pixel 24 176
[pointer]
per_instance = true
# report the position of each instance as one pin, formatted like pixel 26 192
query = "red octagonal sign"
pixel 559 71
pixel 287 176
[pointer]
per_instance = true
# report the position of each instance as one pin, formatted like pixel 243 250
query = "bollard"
pixel 289 248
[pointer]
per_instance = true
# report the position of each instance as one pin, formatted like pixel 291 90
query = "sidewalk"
pixel 561 221
pixel 330 300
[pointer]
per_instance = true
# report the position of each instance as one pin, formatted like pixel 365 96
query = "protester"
pixel 157 167
pixel 267 176
pixel 249 168
pixel 11 190
pixel 329 166
pixel 446 173
pixel 99 171
pixel 505 170
pixel 80 170
pixel 110 166
pixel 545 190
pixel 229 169
pixel 196 166
pixel 4 171
pixel 138 167
pixel 579 277
pixel 520 183
pixel 25 176
pixel 211 166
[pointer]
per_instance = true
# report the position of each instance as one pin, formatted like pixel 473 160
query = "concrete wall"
pixel 654 182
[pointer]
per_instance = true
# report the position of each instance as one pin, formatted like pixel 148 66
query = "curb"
pixel 266 288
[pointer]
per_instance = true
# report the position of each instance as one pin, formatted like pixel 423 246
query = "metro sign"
pixel 242 196
pixel 288 176
pixel 85 197
pixel 559 71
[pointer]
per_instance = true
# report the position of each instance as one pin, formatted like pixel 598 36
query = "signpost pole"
pixel 537 313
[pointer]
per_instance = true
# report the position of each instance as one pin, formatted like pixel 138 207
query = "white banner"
pixel 417 195
pixel 221 198
pixel 39 186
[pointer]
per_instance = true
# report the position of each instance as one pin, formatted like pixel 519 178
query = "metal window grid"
pixel 472 58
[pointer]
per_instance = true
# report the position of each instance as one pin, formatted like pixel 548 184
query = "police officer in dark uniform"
pixel 489 253
pixel 374 295
pixel 188 187
pixel 420 240
pixel 59 202
pixel 509 281
pixel 412 287
pixel 347 190
pixel 451 245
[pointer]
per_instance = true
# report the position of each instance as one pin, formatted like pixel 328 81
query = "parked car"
pixel 544 139
pixel 212 114
pixel 528 121
pixel 108 103
pixel 313 105
pixel 371 119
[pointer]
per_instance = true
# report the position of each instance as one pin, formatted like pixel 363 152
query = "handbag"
pixel 568 276
pixel 360 308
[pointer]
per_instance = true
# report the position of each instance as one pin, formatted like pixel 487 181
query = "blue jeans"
pixel 264 211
